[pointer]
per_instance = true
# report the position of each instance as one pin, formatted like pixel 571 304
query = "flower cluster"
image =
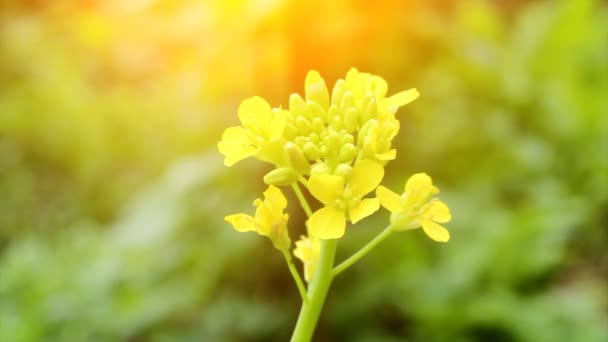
pixel 336 145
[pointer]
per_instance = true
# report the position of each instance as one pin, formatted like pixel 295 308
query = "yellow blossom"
pixel 262 126
pixel 269 219
pixel 308 251
pixel 343 198
pixel 416 207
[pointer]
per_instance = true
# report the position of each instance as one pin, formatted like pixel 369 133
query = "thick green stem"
pixel 364 250
pixel 317 291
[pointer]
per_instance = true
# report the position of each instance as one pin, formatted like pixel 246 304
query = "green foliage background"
pixel 113 194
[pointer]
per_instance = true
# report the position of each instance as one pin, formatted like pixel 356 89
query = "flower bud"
pixel 337 93
pixel 296 158
pixel 370 109
pixel 316 90
pixel 343 170
pixel 348 152
pixel 351 119
pixel 297 106
pixel 311 151
pixel 348 101
pixel 317 125
pixel 303 125
pixel 281 176
pixel 364 131
pixel 320 168
pixel 316 111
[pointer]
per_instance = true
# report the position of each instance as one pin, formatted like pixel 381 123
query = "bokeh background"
pixel 112 192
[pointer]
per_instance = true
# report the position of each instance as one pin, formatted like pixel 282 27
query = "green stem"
pixel 302 199
pixel 295 275
pixel 364 250
pixel 317 291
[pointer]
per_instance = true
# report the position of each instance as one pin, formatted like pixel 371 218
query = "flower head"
pixel 269 219
pixel 308 251
pixel 416 207
pixel 343 198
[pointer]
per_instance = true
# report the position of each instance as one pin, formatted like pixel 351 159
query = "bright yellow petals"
pixel 254 110
pixel 420 182
pixel 344 201
pixel 389 199
pixel 362 210
pixel 326 188
pixel 388 155
pixel 262 125
pixel 308 250
pixel 365 177
pixel 419 188
pixel 435 231
pixel 327 223
pixel 257 116
pixel 438 212
pixel 236 145
pixel 269 220
pixel 402 98
pixel 241 222
pixel 416 208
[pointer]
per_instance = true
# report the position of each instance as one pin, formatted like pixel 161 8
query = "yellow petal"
pixel 388 155
pixel 308 251
pixel 438 212
pixel 390 200
pixel 277 123
pixel 275 196
pixel 419 187
pixel 241 222
pixel 254 111
pixel 435 231
pixel 327 223
pixel 365 208
pixel 236 145
pixel 418 181
pixel 326 188
pixel 365 177
pixel 402 98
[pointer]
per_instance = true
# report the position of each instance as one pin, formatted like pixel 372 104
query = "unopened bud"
pixel 337 93
pixel 316 90
pixel 348 100
pixel 311 151
pixel 281 176
pixel 320 168
pixel 348 152
pixel 297 106
pixel 296 158
pixel 343 170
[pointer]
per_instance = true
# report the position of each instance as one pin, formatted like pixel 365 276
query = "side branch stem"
pixel 302 199
pixel 295 275
pixel 362 252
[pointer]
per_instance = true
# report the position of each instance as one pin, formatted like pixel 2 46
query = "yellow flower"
pixel 269 219
pixel 416 207
pixel 361 84
pixel 343 200
pixel 308 250
pixel 261 125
